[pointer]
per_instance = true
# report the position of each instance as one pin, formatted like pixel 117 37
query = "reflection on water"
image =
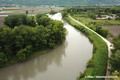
pixel 31 68
pixel 63 63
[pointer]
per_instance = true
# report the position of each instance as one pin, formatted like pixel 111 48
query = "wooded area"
pixel 23 35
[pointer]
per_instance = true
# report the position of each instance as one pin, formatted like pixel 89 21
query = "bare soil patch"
pixel 114 30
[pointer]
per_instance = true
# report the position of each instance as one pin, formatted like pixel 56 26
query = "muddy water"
pixel 63 63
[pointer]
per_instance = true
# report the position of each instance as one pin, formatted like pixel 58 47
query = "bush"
pixel 52 12
pixel 82 75
pixel 90 63
pixel 15 20
pixel 21 55
pixel 2 57
pixel 115 60
pixel 19 19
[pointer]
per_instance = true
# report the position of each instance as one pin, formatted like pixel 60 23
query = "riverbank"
pixel 64 62
pixel 29 38
pixel 98 64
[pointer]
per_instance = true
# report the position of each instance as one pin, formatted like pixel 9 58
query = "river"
pixel 65 62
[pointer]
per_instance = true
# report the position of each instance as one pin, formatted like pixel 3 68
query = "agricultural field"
pixel 22 10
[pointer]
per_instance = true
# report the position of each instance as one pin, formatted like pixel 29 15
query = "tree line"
pixel 89 12
pixel 115 57
pixel 22 35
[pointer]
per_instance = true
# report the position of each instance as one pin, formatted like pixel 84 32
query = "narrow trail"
pixel 109 45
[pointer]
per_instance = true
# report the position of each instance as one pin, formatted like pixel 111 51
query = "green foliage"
pixel 2 57
pixel 19 42
pixel 19 19
pixel 26 12
pixel 118 18
pixel 40 15
pixel 82 75
pixel 43 21
pixel 90 63
pixel 52 12
pixel 115 57
pixel 15 20
pixel 87 15
pixel 31 21
pixel 21 55
pixel 115 60
pixel 116 42
pixel 64 14
pixel 98 64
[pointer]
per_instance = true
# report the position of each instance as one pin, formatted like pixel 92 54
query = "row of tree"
pixel 91 13
pixel 102 31
pixel 115 57
pixel 23 35
pixel 95 10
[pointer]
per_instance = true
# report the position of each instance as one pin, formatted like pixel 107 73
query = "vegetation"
pixel 20 19
pixel 98 64
pixel 19 40
pixel 88 16
pixel 59 2
pixel 52 12
pixel 115 57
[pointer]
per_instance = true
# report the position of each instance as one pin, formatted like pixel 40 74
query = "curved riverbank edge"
pixel 36 53
pixel 96 66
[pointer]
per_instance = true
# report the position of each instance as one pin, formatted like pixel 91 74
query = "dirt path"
pixel 110 45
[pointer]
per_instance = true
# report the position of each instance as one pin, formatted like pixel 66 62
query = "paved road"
pixel 110 45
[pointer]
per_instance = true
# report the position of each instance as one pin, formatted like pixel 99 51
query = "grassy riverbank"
pixel 98 64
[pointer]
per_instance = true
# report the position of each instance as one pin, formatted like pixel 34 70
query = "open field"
pixel 114 30
pixel 112 25
pixel 87 20
pixel 31 11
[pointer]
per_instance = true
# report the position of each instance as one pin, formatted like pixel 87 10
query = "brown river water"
pixel 65 62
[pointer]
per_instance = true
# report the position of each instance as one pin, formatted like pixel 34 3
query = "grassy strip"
pixel 98 64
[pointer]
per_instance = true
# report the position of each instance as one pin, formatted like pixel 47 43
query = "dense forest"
pixel 58 2
pixel 23 35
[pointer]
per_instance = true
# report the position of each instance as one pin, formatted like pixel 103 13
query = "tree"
pixel 115 60
pixel 31 21
pixel 40 15
pixel 20 40
pixel 104 32
pixel 15 20
pixel 52 12
pixel 43 21
pixel 26 12
pixel 21 55
pixel 116 42
pixel 2 57
pixel 64 14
